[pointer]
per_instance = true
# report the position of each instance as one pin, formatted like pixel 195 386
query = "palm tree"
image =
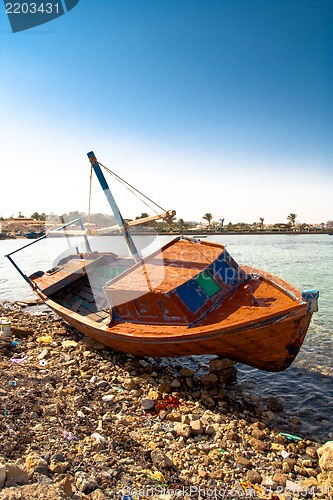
pixel 142 216
pixel 261 222
pixel 292 219
pixel 208 217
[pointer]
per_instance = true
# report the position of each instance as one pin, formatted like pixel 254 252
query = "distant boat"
pixel 187 298
pixel 32 235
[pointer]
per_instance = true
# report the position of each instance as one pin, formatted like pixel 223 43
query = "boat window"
pixel 224 270
pixel 207 282
pixel 192 294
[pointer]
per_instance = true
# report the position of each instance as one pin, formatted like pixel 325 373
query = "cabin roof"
pixel 169 267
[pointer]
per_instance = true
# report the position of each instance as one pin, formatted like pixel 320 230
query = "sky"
pixel 220 106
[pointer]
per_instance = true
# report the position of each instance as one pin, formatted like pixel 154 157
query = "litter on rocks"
pixel 47 339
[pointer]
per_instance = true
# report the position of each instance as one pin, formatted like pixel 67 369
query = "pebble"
pixel 243 461
pixel 253 476
pixel 84 483
pixel 161 460
pixel 148 404
pixel 87 424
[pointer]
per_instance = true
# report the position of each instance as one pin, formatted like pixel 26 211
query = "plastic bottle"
pixel 5 326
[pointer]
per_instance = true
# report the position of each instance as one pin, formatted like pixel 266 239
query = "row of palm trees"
pixel 209 217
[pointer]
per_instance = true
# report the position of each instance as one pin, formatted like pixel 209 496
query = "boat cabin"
pixel 179 284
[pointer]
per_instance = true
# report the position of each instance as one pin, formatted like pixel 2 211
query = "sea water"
pixel 306 261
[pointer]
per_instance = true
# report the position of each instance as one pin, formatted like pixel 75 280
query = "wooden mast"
pixel 119 218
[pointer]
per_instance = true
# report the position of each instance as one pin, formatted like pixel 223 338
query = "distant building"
pixel 22 225
pixel 329 224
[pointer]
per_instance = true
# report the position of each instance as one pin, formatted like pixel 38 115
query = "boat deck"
pixel 80 299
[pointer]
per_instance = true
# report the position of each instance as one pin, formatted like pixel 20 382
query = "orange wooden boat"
pixel 188 298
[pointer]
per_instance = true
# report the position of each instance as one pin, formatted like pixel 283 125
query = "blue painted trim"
pixel 114 206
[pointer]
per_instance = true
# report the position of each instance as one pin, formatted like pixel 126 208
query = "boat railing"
pixel 64 226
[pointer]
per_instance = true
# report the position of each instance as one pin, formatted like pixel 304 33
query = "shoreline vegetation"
pixel 83 421
pixel 101 224
pixel 197 234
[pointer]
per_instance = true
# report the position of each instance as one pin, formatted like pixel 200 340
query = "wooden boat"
pixel 187 298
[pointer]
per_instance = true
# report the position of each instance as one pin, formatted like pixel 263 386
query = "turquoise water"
pixel 306 261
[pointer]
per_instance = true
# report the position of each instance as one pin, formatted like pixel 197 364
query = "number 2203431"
pixel 32 8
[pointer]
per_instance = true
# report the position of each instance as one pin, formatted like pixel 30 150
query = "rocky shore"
pixel 79 421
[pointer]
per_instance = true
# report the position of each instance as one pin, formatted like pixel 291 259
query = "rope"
pixel 133 190
pixel 142 197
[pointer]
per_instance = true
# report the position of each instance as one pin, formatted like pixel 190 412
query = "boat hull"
pixel 270 344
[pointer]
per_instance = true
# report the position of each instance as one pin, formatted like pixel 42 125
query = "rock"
pixel 286 467
pixel 67 486
pixel 306 463
pixel 174 416
pixel 84 483
pixel 16 474
pixel 35 463
pixel 259 425
pixel 312 472
pixel 202 473
pixel 228 376
pixel 129 385
pixel 165 387
pixel 186 372
pixel 160 459
pixel 325 454
pixel 258 434
pixel 257 444
pixel 58 467
pixel 21 332
pixel 294 422
pixel 206 398
pixel 274 404
pixel 232 436
pixel 108 398
pixel 182 430
pixel 189 382
pixel 243 461
pixel 43 479
pixel 220 364
pixel 312 452
pixel 293 487
pixel 148 404
pixel 253 476
pixel 280 479
pixel 277 447
pixel 300 470
pixel 2 472
pixel 102 384
pixel 153 394
pixel 209 379
pixel 196 427
pixel 175 384
pixel 269 483
pixel 209 430
pixel 52 410
pixel 97 495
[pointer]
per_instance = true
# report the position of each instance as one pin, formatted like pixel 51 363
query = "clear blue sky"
pixel 206 106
